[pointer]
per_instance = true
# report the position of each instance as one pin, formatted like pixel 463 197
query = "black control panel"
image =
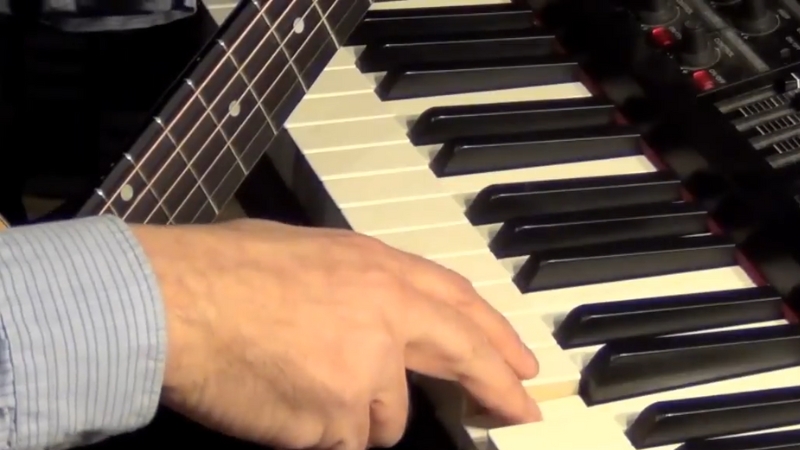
pixel 714 86
pixel 722 42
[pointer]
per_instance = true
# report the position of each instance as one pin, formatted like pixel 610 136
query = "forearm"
pixel 82 334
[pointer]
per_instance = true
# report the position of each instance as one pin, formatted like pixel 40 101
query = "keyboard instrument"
pixel 615 177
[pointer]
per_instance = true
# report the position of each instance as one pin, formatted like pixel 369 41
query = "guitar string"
pixel 208 198
pixel 195 95
pixel 207 112
pixel 233 167
pixel 199 177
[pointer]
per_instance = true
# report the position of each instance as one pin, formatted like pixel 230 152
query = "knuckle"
pixel 368 243
pixel 350 398
pixel 458 283
pixel 461 352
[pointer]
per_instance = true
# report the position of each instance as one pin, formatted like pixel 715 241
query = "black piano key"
pixel 641 366
pixel 515 151
pixel 443 123
pixel 535 233
pixel 502 202
pixel 777 440
pixel 673 422
pixel 384 56
pixel 615 261
pixel 597 323
pixel 387 25
pixel 432 79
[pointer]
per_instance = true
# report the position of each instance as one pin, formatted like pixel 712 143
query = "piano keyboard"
pixel 486 154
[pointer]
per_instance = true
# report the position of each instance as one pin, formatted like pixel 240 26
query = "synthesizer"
pixel 615 176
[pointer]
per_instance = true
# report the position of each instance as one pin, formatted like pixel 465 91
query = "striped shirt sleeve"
pixel 82 334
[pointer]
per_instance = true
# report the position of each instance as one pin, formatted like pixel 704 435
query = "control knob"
pixel 695 49
pixel 656 12
pixel 753 17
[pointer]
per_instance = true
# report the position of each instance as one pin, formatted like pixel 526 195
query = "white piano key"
pixel 477 427
pixel 346 80
pixel 480 268
pixel 532 330
pixel 623 412
pixel 349 135
pixel 571 433
pixel 558 378
pixel 558 375
pixel 554 301
pixel 312 140
pixel 711 280
pixel 411 108
pixel 600 420
pixel 320 110
pixel 582 355
pixel 344 58
pixel 373 161
pixel 379 189
pixel 438 242
pixel 397 217
pixel 465 184
pixel 334 85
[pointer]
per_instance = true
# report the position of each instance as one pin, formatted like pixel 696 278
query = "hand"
pixel 299 337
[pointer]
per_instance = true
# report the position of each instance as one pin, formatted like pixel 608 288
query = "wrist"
pixel 175 258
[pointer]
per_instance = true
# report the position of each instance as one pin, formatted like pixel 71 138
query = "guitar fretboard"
pixel 220 118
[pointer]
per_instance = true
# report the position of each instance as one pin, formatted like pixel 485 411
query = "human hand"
pixel 299 337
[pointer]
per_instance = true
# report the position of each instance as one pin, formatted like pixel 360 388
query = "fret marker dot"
pixel 298 26
pixel 234 108
pixel 126 193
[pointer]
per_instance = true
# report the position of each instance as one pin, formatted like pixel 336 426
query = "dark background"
pixel 70 106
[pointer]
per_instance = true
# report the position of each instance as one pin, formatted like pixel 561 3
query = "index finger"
pixel 454 349
pixel 457 291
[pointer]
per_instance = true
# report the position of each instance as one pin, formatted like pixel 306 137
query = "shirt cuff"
pixel 82 334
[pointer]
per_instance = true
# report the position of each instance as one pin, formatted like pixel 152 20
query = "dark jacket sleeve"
pixel 106 15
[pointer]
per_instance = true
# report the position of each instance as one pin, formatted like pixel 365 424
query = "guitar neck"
pixel 227 109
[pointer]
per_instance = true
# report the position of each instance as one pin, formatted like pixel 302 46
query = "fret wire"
pixel 197 176
pixel 248 81
pixel 231 169
pixel 147 188
pixel 108 204
pixel 247 147
pixel 274 27
pixel 207 111
pixel 249 86
pixel 239 71
pixel 209 198
pixel 180 113
pixel 218 128
pixel 323 15
pixel 170 215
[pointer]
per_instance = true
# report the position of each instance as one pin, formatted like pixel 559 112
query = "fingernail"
pixel 534 413
pixel 532 368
